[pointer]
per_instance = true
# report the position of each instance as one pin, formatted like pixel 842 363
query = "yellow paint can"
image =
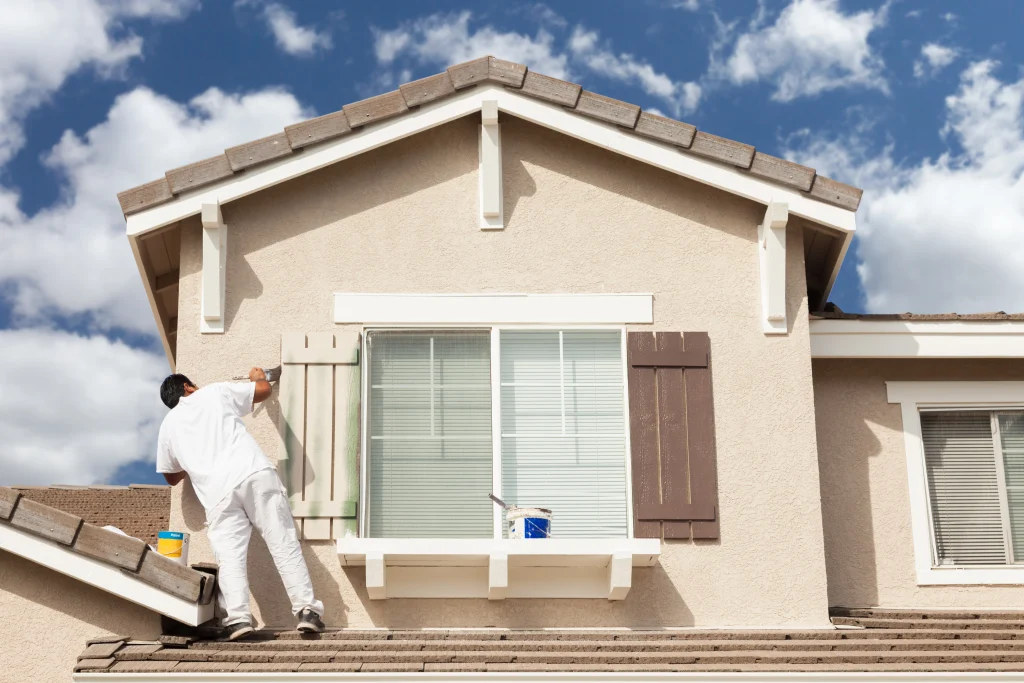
pixel 174 545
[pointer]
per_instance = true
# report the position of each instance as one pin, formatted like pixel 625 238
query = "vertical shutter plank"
pixel 675 484
pixel 292 394
pixel 643 435
pixel 700 435
pixel 317 475
pixel 346 424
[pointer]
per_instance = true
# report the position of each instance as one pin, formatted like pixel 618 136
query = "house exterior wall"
pixel 865 497
pixel 404 218
pixel 46 619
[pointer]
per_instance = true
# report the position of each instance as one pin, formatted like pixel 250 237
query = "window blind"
pixel 963 487
pixel 1011 439
pixel 563 428
pixel 430 441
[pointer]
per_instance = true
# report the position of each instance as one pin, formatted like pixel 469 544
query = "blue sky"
pixel 918 102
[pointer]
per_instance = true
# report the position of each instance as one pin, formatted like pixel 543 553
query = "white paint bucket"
pixel 529 522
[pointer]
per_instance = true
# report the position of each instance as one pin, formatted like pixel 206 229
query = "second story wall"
pixel 404 218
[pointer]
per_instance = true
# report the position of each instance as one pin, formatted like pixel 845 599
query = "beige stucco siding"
pixel 46 619
pixel 404 219
pixel 864 490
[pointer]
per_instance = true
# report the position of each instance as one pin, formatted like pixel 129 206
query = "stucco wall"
pixel 46 619
pixel 864 491
pixel 403 219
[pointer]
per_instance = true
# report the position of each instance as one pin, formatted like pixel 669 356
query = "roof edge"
pixel 409 96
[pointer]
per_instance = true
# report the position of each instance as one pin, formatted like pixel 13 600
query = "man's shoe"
pixel 310 622
pixel 238 631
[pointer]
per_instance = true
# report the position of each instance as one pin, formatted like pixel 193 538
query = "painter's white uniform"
pixel 237 484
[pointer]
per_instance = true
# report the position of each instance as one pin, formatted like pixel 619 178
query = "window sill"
pixel 497 568
pixel 981 576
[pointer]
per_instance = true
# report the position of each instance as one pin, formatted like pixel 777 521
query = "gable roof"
pixel 122 565
pixel 409 96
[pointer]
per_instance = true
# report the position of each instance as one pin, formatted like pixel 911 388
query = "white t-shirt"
pixel 204 435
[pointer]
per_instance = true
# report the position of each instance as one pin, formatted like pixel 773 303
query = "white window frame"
pixel 495 332
pixel 913 397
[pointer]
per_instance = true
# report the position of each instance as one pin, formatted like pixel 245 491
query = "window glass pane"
pixel 430 445
pixel 563 428
pixel 963 487
pixel 1011 433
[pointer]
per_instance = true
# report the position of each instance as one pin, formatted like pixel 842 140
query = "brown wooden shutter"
pixel 672 435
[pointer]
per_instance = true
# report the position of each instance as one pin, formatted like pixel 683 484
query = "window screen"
pixel 563 428
pixel 430 441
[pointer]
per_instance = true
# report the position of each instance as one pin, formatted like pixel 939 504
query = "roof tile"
pixel 375 109
pixel 665 130
pixel 507 73
pixel 256 152
pixel 469 73
pixel 835 192
pixel 551 89
pixel 607 109
pixel 94 664
pixel 427 89
pixel 199 174
pixel 144 196
pixel 781 171
pixel 101 650
pixel 722 149
pixel 139 512
pixel 321 128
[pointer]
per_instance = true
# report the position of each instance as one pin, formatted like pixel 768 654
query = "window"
pixel 965 470
pixel 545 427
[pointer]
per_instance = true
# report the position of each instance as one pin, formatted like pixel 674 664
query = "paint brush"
pixel 273 374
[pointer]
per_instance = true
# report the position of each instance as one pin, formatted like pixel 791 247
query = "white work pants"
pixel 259 501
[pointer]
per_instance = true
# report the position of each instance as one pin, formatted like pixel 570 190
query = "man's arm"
pixel 263 387
pixel 173 477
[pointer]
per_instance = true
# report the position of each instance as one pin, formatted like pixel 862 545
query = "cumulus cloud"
pixel 445 39
pixel 440 40
pixel 75 408
pixel 934 58
pixel 50 259
pixel 44 41
pixel 941 234
pixel 811 48
pixel 296 40
pixel 586 47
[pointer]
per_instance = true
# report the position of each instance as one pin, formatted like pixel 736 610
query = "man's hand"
pixel 263 387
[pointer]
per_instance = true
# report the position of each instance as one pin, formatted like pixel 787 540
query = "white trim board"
pixel 912 396
pixel 101 575
pixel 909 339
pixel 492 309
pixel 604 135
pixel 528 677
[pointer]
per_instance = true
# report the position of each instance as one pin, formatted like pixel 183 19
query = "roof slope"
pixel 122 565
pixel 889 641
pixel 139 510
pixel 351 117
pixel 833 312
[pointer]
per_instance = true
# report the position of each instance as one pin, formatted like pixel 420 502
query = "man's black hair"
pixel 173 388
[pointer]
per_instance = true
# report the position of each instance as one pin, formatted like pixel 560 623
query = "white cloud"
pixel 72 258
pixel 934 58
pixel 446 39
pixel 44 41
pixel 585 47
pixel 688 5
pixel 299 41
pixel 943 234
pixel 950 18
pixel 75 408
pixel 914 14
pixel 812 47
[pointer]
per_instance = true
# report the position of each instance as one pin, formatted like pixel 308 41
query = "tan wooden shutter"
pixel 319 392
pixel 672 435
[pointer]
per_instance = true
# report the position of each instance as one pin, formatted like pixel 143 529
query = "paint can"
pixel 173 545
pixel 529 522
